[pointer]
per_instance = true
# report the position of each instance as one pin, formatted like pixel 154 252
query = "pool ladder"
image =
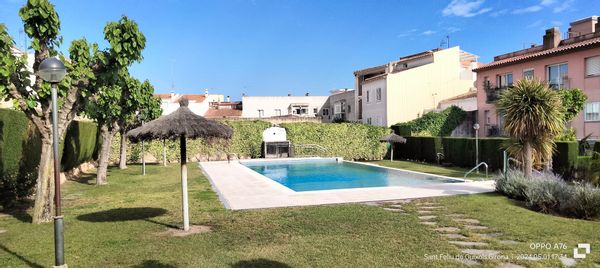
pixel 477 168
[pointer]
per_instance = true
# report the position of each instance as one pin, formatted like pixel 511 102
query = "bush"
pixel 513 184
pixel 546 192
pixel 549 193
pixel 584 202
pixel 433 123
pixel 80 144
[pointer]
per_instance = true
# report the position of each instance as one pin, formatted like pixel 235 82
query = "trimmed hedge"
pixel 461 151
pixel 341 139
pixel 20 150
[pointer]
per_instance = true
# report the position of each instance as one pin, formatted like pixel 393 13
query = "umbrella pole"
pixel 392 154
pixel 164 152
pixel 184 190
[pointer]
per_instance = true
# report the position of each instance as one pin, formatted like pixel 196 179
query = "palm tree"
pixel 534 116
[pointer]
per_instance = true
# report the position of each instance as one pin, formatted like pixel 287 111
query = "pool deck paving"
pixel 239 187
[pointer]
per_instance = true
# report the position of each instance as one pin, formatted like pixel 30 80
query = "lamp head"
pixel 52 70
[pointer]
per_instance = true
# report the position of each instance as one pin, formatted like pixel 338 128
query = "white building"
pixel 340 106
pixel 274 106
pixel 198 103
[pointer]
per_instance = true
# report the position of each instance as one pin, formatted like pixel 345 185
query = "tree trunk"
pixel 107 135
pixel 123 151
pixel 527 160
pixel 43 209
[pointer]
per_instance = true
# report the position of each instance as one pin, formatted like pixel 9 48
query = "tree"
pixel 573 100
pixel 534 115
pixel 86 64
pixel 139 106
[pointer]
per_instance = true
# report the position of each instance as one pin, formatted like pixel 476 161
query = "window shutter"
pixel 592 66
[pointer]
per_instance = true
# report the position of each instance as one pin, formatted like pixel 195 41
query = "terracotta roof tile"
pixel 590 42
pixel 221 113
pixel 191 97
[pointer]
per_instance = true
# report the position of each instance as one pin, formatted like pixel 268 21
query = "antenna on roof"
pixel 445 42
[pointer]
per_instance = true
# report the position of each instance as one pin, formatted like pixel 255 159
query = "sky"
pixel 280 47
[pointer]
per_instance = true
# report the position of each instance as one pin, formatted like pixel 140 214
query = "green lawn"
pixel 121 224
pixel 433 169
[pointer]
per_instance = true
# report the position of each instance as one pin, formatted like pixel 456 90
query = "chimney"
pixel 583 26
pixel 206 92
pixel 228 99
pixel 551 38
pixel 307 93
pixel 289 94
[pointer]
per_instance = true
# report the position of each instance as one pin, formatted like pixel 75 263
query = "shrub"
pixel 584 201
pixel 546 192
pixel 513 184
pixel 433 123
pixel 80 144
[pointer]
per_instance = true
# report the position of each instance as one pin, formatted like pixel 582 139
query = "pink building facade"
pixel 573 62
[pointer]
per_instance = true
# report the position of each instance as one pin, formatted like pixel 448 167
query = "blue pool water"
pixel 327 174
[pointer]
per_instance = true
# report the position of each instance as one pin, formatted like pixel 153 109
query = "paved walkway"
pixel 467 233
pixel 239 187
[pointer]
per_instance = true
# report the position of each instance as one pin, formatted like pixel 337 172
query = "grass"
pixel 456 172
pixel 121 224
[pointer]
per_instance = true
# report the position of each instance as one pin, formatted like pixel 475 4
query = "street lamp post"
pixel 476 128
pixel 52 70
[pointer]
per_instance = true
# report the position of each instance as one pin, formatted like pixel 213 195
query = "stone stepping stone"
pixel 427 223
pixel 468 243
pixel 455 215
pixel 396 206
pixel 488 235
pixel 475 227
pixel 447 229
pixel 2 231
pixel 569 262
pixel 428 207
pixel 424 211
pixel 393 209
pixel 472 221
pixel 398 202
pixel 509 242
pixel 376 204
pixel 481 252
pixel 427 217
pixel 510 265
pixel 455 236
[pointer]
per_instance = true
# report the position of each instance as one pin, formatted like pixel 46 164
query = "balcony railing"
pixel 493 93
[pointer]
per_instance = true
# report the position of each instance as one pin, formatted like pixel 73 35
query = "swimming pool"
pixel 330 174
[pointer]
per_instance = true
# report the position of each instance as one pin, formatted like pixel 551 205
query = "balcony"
pixel 493 93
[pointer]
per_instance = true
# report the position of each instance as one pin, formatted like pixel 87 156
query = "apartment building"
pixel 405 89
pixel 198 103
pixel 340 106
pixel 277 106
pixel 573 62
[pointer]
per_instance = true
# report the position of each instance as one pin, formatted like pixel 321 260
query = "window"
pixel 349 111
pixel 592 111
pixel 278 112
pixel 369 120
pixel 486 115
pixel 325 111
pixel 528 74
pixel 378 94
pixel 261 113
pixel 368 96
pixel 337 108
pixel 592 66
pixel 315 111
pixel 557 75
pixel 504 80
pixel 486 82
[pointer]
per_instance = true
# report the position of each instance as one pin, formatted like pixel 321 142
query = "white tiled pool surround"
pixel 239 187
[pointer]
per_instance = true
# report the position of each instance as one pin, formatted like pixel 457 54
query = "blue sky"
pixel 276 47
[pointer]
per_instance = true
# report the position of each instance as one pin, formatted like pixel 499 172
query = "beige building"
pixel 340 106
pixel 405 89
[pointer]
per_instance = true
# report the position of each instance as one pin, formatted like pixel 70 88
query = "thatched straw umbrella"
pixel 182 124
pixel 391 139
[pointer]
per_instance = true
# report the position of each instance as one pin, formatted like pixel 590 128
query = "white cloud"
pixel 453 29
pixel 535 24
pixel 563 6
pixel 529 9
pixel 499 12
pixel 547 2
pixel 556 23
pixel 428 32
pixel 465 8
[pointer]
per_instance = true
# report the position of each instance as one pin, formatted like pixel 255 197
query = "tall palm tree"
pixel 534 116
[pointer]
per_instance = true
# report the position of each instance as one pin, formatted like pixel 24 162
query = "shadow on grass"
pixel 86 178
pixel 123 214
pixel 256 263
pixel 153 264
pixel 22 258
pixel 19 211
